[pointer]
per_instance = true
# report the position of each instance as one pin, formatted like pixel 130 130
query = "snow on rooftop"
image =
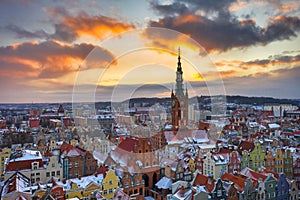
pixel 274 126
pixel 164 183
pixel 207 146
pixel 28 155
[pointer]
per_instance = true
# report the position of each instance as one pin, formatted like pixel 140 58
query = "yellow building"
pixel 214 164
pixel 279 158
pixel 257 156
pixel 191 165
pixel 74 191
pixel 4 154
pixel 109 184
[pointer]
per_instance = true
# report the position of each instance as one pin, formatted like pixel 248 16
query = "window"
pixel 219 193
pixel 110 182
pixel 110 190
pixel 105 192
pixel 76 164
pixel 37 174
pixel 53 164
pixel 53 173
pixel 76 174
pixel 35 165
pixel 126 184
pixel 58 173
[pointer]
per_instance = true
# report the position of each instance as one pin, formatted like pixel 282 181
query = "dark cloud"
pixel 223 31
pixel 22 33
pixel 48 59
pixel 272 60
pixel 281 28
pixel 58 11
pixel 279 83
pixel 190 6
pixel 71 28
pixel 170 9
pixel 41 51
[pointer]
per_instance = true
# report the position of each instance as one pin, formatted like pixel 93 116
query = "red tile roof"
pixel 22 165
pixel 101 170
pixel 266 172
pixel 239 182
pixel 128 144
pixel 203 180
pixel 253 175
pixel 69 150
pixel 245 145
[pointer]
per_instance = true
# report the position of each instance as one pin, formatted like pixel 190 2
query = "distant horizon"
pixel 143 97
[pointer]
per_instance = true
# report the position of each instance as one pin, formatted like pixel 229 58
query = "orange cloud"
pixel 98 27
pixel 289 6
pixel 237 5
pixel 188 19
pixel 229 73
pixel 47 59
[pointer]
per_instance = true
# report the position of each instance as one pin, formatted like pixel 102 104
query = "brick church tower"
pixel 179 100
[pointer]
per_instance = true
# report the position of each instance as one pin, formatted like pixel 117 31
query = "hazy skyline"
pixel 252 47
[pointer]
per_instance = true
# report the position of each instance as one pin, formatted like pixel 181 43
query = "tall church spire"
pixel 179 79
pixel 179 100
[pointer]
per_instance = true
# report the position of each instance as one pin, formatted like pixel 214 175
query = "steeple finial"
pixel 179 63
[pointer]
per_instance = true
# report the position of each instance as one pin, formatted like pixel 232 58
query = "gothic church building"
pixel 179 100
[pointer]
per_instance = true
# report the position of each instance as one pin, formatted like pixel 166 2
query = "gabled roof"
pixel 253 175
pixel 102 170
pixel 203 180
pixel 128 144
pixel 14 184
pixel 239 182
pixel 266 172
pixel 69 150
pixel 245 145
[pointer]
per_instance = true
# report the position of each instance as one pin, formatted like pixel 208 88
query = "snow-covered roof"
pixel 164 183
pixel 28 155
pixel 274 126
pixel 83 182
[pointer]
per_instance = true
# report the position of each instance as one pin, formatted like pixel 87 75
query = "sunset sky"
pixel 59 51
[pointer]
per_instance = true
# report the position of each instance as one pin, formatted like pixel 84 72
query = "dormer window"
pixel 35 165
